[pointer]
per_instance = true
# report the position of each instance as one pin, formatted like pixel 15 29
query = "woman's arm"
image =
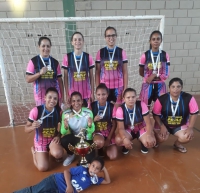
pixel 114 125
pixel 60 82
pixel 141 71
pixel 125 75
pixel 31 126
pixel 66 84
pixel 97 74
pixel 106 177
pixel 92 83
pixel 32 78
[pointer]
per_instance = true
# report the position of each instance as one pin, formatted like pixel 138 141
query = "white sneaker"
pixel 68 160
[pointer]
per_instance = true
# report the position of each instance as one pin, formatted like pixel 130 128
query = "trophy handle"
pixel 92 147
pixel 72 149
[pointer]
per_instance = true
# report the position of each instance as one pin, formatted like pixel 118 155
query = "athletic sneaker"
pixel 124 150
pixel 144 149
pixel 69 160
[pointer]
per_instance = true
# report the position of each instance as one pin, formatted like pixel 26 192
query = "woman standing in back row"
pixel 111 67
pixel 78 71
pixel 44 72
pixel 154 67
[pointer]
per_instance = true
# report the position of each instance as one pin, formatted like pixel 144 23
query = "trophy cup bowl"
pixel 82 148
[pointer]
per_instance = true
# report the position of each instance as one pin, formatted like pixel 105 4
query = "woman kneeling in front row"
pixel 175 113
pixel 133 121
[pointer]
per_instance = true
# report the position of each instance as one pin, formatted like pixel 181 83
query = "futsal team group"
pixel 112 114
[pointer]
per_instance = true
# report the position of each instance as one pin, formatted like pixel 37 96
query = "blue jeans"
pixel 48 185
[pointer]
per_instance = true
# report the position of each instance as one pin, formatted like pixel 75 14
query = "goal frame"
pixel 65 19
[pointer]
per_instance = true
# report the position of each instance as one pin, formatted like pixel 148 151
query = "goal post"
pixel 18 44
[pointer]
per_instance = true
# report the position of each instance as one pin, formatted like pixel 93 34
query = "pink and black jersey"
pixel 163 65
pixel 76 82
pixel 111 76
pixel 187 105
pixel 49 79
pixel 104 125
pixel 48 129
pixel 123 115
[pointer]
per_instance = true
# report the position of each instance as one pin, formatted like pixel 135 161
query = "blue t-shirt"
pixel 80 179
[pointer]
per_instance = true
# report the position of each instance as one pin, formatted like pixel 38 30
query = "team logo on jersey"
pixel 80 76
pixel 48 75
pixel 150 65
pixel 174 120
pixel 48 132
pixel 112 66
pixel 101 126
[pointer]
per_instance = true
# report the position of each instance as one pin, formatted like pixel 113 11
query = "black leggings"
pixel 71 139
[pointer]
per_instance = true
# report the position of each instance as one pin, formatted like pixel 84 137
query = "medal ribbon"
pixel 111 58
pixel 78 68
pixel 77 113
pixel 172 106
pixel 155 64
pixel 44 62
pixel 42 118
pixel 104 111
pixel 131 119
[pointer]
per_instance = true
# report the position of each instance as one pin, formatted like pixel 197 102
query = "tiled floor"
pixel 162 170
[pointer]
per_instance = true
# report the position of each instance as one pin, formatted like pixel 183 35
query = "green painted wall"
pixel 69 11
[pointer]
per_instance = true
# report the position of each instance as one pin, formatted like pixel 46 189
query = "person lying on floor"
pixel 73 180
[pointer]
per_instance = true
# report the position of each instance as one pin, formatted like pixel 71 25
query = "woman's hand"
pixel 43 70
pixel 66 124
pixel 150 78
pixel 89 122
pixel 163 132
pixel 127 143
pixel 56 140
pixel 36 124
pixel 97 118
pixel 189 133
pixel 150 140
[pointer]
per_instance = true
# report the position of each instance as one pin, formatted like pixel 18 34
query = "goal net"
pixel 19 43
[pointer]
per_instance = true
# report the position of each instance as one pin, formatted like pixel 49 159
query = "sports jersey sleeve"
pixel 30 70
pixel 33 115
pixel 157 108
pixel 193 107
pixel 165 72
pixel 91 62
pixel 91 129
pixel 76 170
pixel 145 110
pixel 119 114
pixel 98 58
pixel 59 74
pixel 65 62
pixel 124 57
pixel 142 60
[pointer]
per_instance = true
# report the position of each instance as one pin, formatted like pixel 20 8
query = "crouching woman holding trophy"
pixel 73 120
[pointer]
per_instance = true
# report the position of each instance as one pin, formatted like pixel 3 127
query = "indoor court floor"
pixel 162 170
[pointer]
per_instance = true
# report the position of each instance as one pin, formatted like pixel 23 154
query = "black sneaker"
pixel 100 152
pixel 144 149
pixel 125 151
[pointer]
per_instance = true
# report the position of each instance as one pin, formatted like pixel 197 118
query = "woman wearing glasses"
pixel 44 72
pixel 111 67
pixel 154 67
